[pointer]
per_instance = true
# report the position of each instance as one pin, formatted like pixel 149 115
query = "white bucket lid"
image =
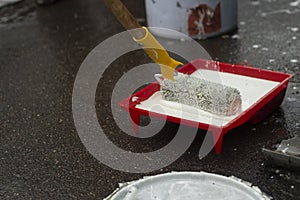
pixel 187 186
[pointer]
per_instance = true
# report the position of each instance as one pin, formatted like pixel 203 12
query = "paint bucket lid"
pixel 186 186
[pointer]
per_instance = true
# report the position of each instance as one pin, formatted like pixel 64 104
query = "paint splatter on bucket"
pixel 199 19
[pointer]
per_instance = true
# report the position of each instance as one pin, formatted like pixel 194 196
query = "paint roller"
pixel 206 95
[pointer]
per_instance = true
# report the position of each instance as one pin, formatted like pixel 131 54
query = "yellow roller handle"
pixel 158 54
pixel 142 35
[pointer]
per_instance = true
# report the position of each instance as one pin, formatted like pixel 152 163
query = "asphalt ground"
pixel 41 50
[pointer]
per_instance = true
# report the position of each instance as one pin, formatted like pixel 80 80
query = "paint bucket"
pixel 188 185
pixel 199 19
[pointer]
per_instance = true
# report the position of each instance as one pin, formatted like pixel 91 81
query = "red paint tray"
pixel 273 86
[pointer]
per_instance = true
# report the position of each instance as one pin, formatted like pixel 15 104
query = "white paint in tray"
pixel 252 90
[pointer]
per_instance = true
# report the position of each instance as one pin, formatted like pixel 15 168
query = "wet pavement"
pixel 41 50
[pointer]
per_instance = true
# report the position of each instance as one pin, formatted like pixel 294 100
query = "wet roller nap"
pixel 209 96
